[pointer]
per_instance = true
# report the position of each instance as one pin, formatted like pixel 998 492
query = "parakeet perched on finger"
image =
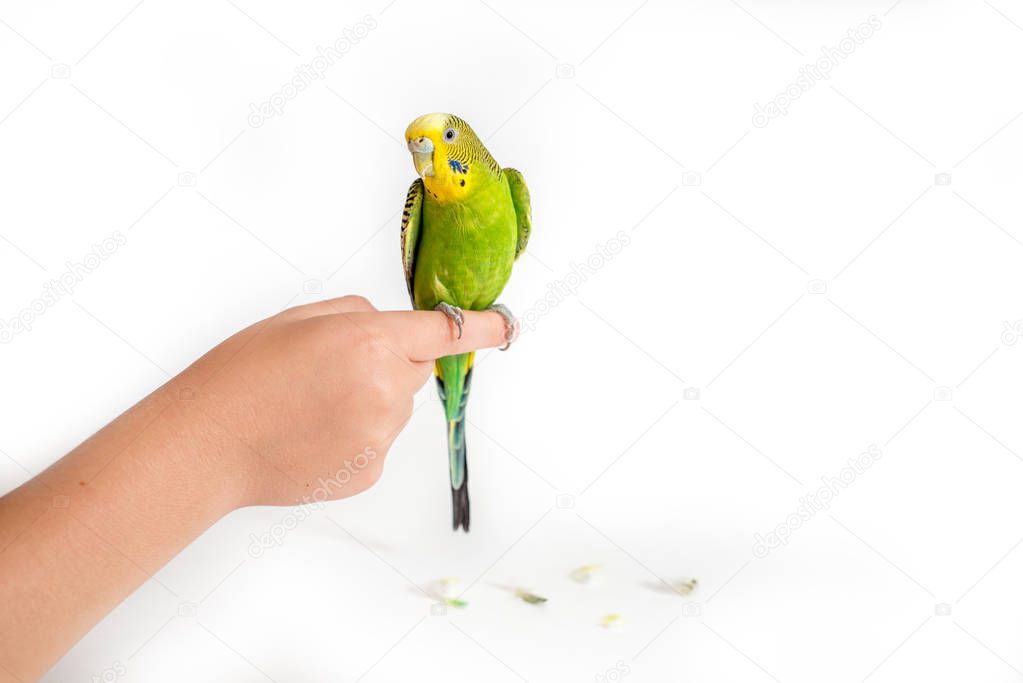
pixel 465 222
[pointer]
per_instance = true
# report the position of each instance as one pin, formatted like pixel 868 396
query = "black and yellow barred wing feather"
pixel 411 220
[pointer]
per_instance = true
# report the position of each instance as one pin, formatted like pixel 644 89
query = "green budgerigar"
pixel 465 222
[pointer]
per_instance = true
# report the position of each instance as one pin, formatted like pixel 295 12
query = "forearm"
pixel 85 533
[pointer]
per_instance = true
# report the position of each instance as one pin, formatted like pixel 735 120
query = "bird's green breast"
pixel 466 248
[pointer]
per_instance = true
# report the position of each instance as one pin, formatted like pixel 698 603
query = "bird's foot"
pixel 454 313
pixel 511 325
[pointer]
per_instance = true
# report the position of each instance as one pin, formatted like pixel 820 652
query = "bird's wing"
pixel 411 220
pixel 523 212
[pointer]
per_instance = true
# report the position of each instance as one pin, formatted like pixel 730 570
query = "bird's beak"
pixel 422 155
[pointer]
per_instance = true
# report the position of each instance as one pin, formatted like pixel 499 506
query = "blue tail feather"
pixel 455 395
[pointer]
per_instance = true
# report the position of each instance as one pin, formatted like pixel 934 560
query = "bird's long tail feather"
pixel 454 374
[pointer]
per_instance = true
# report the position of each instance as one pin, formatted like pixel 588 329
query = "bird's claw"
pixel 511 325
pixel 454 313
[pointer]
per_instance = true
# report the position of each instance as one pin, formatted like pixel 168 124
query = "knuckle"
pixel 388 393
pixel 406 405
pixel 287 314
pixel 355 301
pixel 372 474
pixel 375 348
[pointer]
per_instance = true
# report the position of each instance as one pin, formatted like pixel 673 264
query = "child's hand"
pixel 304 405
pixel 301 406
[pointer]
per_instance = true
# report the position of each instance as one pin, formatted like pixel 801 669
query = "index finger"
pixel 428 335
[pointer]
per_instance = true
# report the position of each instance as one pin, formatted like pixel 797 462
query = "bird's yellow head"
pixel 448 156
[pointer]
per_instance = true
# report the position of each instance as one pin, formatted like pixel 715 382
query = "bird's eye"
pixel 450 134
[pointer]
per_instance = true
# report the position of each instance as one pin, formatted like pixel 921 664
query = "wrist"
pixel 200 461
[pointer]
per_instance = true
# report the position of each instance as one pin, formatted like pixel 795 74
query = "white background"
pixel 809 280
